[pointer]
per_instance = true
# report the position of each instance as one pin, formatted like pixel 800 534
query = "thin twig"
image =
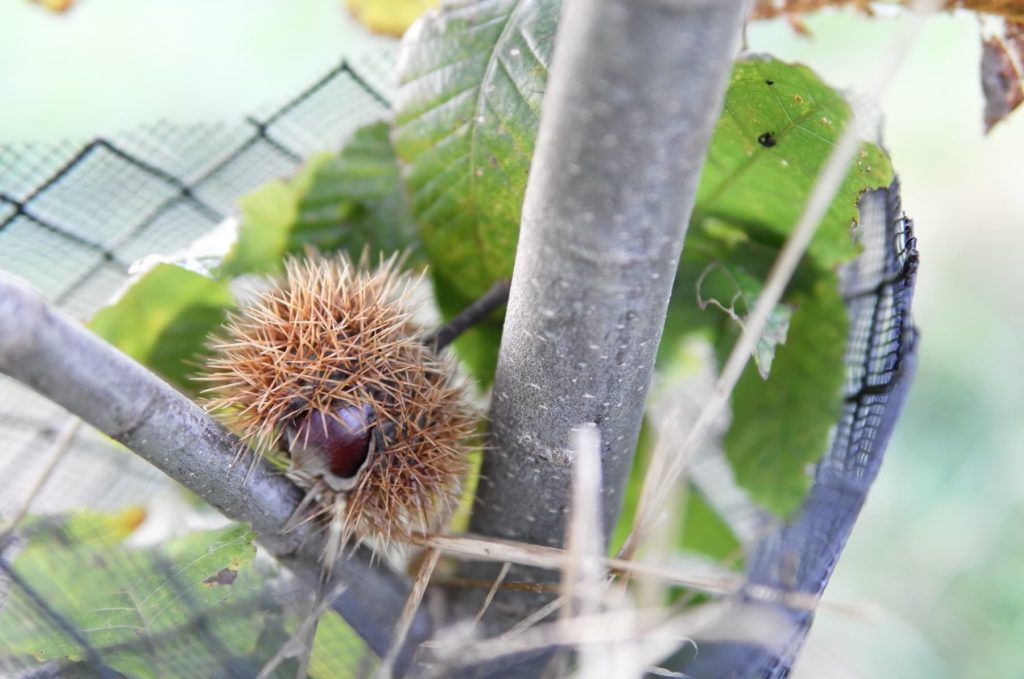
pixel 515 586
pixel 492 591
pixel 60 446
pixel 412 605
pixel 583 575
pixel 534 618
pixel 492 549
pixel 653 627
pixel 470 316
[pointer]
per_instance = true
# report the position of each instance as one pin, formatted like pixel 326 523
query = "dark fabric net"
pixel 73 217
pixel 761 635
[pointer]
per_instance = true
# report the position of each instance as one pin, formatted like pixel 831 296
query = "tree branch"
pixel 54 355
pixel 633 95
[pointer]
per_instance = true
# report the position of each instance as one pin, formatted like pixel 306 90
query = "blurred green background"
pixel 939 550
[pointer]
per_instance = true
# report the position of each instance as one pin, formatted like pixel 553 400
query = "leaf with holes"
pixel 471 81
pixel 163 320
pixel 734 291
pixel 718 282
pixel 781 425
pixel 141 610
pixel 778 126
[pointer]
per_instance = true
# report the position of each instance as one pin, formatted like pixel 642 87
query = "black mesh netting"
pixel 762 633
pixel 73 219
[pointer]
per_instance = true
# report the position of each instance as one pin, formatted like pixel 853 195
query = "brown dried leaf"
pixel 1002 33
pixel 55 5
pixel 1002 67
pixel 793 9
pixel 769 9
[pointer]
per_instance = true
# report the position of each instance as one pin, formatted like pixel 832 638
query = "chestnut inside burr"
pixel 340 441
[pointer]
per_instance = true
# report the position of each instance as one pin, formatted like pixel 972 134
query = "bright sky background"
pixel 108 64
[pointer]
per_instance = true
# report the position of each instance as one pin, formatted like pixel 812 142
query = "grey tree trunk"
pixel 635 89
pixel 633 95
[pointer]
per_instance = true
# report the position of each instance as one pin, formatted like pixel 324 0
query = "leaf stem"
pixel 470 316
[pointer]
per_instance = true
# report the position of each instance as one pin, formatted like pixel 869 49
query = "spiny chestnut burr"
pixel 329 368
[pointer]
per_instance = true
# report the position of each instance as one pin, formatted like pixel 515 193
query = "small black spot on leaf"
pixel 767 140
pixel 769 83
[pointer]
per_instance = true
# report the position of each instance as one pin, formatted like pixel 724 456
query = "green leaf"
pixel 268 214
pixel 143 610
pixel 722 268
pixel 776 328
pixel 163 320
pixel 685 319
pixel 351 201
pixel 778 126
pixel 781 425
pixel 471 81
pixel 704 531
pixel 337 646
pixel 356 201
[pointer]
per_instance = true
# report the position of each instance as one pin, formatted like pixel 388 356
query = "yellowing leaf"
pixel 389 17
pixel 55 5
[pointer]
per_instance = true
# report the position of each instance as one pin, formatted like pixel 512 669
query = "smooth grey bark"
pixel 60 359
pixel 633 95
